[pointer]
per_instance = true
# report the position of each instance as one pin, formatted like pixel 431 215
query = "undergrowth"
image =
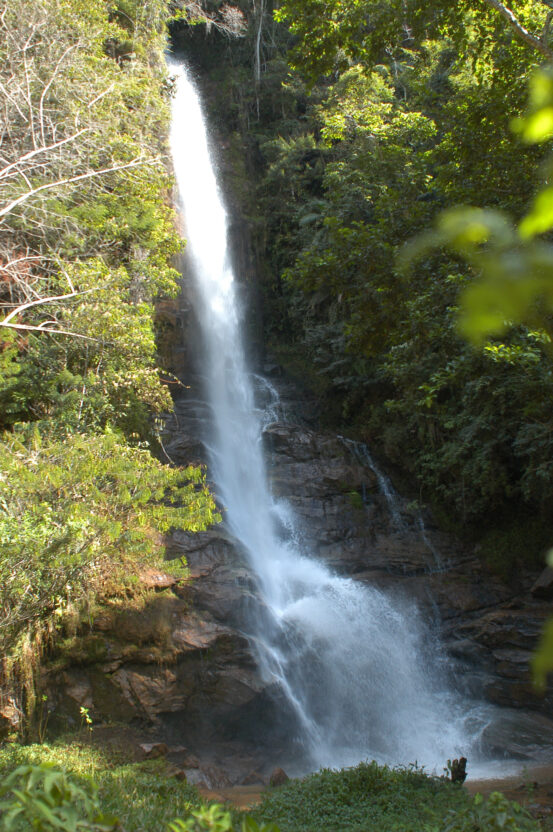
pixel 141 795
pixel 144 798
pixel 373 798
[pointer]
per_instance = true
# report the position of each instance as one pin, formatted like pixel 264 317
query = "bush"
pixel 496 814
pixel 75 510
pixel 46 799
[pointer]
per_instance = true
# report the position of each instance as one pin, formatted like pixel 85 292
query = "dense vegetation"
pixel 366 122
pixel 381 799
pixel 145 797
pixel 87 242
pixel 138 794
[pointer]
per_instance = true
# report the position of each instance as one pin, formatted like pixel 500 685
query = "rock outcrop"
pixel 182 665
pixel 489 627
pixel 161 660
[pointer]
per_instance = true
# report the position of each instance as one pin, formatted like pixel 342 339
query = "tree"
pixel 79 512
pixel 87 235
pixel 540 42
pixel 55 137
pixel 228 19
pixel 332 33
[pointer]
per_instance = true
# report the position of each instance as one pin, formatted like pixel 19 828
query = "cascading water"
pixel 359 671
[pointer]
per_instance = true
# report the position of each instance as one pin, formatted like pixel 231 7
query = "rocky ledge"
pixel 180 666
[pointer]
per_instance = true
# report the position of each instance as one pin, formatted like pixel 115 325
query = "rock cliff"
pixel 181 667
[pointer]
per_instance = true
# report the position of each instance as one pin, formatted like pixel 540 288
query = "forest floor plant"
pixel 72 786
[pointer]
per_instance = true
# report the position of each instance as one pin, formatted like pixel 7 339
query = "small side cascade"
pixel 361 452
pixel 440 565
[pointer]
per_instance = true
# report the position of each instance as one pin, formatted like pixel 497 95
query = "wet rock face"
pixel 183 665
pixel 166 659
pixel 507 636
pixel 490 629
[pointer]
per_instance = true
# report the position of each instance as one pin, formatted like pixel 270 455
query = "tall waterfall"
pixel 357 669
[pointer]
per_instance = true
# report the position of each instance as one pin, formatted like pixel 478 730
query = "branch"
pixel 100 96
pixel 54 331
pixel 41 301
pixel 5 267
pixel 49 185
pixel 13 101
pixel 533 41
pixel 230 19
pixel 49 84
pixel 32 153
pixel 546 27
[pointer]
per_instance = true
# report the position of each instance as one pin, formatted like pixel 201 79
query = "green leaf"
pixel 537 127
pixel 542 662
pixel 467 228
pixel 249 824
pixel 540 218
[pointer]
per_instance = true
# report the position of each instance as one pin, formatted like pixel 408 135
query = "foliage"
pixel 414 115
pixel 495 814
pixel 381 799
pixel 331 33
pixel 44 798
pixel 515 268
pixel 87 235
pixel 74 511
pixel 87 248
pixel 215 818
pixel 143 797
pixel 542 660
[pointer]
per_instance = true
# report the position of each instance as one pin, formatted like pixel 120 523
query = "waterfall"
pixel 361 675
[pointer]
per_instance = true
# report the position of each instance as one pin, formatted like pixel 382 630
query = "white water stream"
pixel 360 673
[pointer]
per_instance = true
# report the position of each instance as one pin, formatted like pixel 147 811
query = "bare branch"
pixel 27 327
pixel 532 40
pixel 13 101
pixel 42 301
pixel 6 267
pixel 29 98
pixel 100 96
pixel 230 19
pixel 7 209
pixel 49 84
pixel 45 149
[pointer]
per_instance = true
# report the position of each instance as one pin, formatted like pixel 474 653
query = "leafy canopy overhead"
pixel 332 33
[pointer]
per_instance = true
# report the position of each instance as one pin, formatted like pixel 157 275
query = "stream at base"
pixel 360 674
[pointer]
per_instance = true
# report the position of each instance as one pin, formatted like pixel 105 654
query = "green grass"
pixel 367 798
pixel 141 795
pixel 373 798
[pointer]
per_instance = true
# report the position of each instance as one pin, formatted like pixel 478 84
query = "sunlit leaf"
pixel 542 661
pixel 537 127
pixel 540 218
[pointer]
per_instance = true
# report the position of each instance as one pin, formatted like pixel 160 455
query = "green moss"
pixel 177 568
pixel 84 649
pixel 356 500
